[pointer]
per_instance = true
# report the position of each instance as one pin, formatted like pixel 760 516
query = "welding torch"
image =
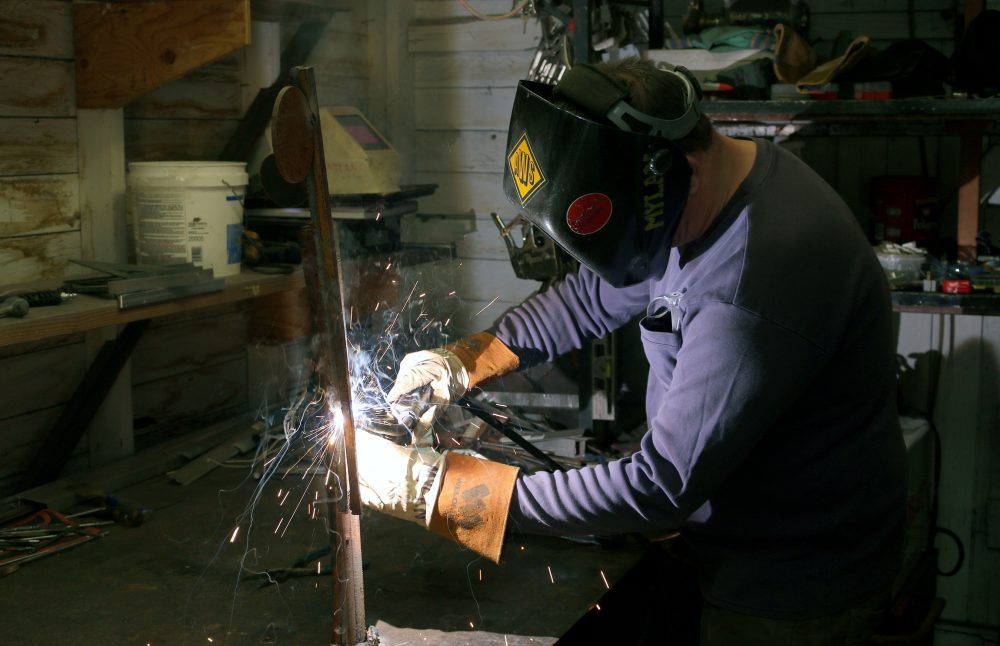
pixel 411 407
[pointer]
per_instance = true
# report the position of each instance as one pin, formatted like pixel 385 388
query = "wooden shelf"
pixel 84 312
pixel 938 303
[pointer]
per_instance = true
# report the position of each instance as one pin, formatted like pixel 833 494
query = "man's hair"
pixel 659 94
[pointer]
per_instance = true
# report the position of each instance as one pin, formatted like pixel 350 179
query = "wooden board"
pixel 340 52
pixel 472 34
pixel 207 93
pixel 37 146
pixel 36 28
pixel 56 372
pixel 37 258
pixel 472 69
pixel 39 204
pixel 21 438
pixel 466 108
pixel 125 50
pixel 176 139
pixel 36 88
pixel 436 10
pixel 480 151
pixel 169 351
pixel 88 313
pixel 339 90
pixel 192 398
pixel 480 193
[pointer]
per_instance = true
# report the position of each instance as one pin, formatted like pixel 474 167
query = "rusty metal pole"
pixel 324 289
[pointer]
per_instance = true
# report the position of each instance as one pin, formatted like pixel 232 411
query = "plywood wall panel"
pixel 37 28
pixel 39 204
pixel 37 88
pixel 37 258
pixel 37 146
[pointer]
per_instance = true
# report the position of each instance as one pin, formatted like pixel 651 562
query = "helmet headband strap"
pixel 603 96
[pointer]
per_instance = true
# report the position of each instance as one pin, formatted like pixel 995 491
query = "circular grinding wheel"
pixel 292 135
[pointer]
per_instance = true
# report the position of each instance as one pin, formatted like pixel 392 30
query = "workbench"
pixel 85 312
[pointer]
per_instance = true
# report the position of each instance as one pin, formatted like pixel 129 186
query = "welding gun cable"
pixel 509 433
pixel 517 438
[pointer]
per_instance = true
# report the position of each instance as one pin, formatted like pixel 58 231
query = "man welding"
pixel 773 444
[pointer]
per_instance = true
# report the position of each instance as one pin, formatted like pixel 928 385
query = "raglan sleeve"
pixel 734 375
pixel 580 307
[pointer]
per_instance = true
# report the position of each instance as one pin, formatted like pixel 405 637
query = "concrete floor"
pixel 177 580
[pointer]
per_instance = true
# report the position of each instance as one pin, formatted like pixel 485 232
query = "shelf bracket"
pixel 126 49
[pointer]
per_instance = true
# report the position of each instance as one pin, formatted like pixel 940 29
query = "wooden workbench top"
pixel 83 312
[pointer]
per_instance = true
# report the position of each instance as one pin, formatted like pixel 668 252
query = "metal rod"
pixel 324 289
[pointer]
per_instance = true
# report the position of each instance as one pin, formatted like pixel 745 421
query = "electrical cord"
pixel 933 526
pixel 499 16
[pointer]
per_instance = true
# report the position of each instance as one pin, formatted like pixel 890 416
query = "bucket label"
pixel 161 229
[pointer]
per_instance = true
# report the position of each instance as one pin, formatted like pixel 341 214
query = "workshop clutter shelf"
pixel 939 303
pixel 84 312
pixel 969 118
pixel 873 116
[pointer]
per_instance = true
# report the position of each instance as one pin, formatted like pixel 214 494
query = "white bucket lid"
pixel 199 174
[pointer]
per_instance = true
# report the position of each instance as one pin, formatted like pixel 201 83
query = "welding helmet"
pixel 605 181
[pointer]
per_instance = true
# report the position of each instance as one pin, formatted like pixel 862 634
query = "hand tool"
pixel 42 297
pixel 43 532
pixel 14 306
pixel 409 408
pixel 124 512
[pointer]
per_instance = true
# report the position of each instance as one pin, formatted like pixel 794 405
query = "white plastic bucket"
pixel 188 211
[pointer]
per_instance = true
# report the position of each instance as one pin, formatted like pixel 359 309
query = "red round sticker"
pixel 588 213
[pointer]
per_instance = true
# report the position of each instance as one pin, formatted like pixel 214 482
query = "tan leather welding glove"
pixel 444 375
pixel 457 496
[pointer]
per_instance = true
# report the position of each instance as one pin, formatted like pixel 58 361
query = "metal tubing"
pixel 324 289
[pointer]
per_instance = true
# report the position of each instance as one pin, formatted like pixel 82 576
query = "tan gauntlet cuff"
pixel 484 356
pixel 472 503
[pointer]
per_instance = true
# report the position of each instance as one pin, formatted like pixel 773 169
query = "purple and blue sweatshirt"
pixel 773 442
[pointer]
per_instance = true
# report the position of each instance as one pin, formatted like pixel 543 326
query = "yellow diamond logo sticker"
pixel 524 170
